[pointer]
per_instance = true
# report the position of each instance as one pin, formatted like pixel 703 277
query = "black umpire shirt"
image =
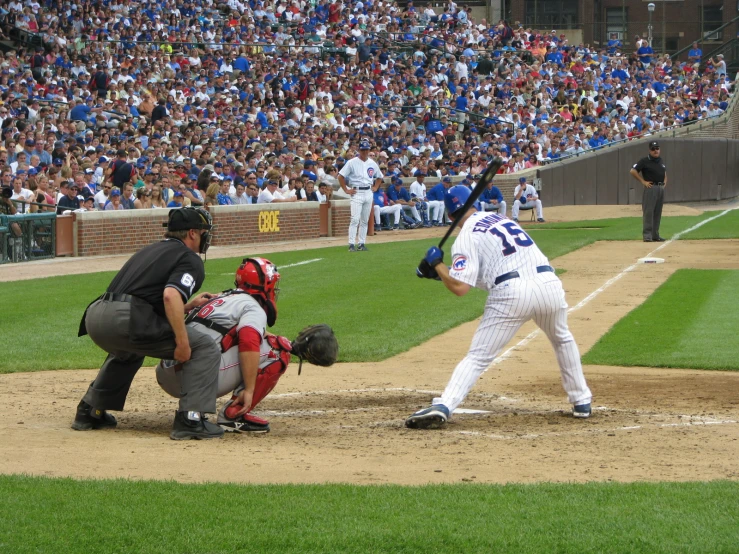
pixel 168 263
pixel 651 169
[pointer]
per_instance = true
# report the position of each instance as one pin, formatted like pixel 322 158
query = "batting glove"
pixel 434 256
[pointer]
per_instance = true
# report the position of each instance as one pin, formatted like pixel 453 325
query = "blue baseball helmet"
pixel 364 145
pixel 455 197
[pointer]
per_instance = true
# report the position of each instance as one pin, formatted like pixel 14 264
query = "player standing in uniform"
pixel 252 360
pixel 359 178
pixel 495 254
pixel 525 198
pixel 142 313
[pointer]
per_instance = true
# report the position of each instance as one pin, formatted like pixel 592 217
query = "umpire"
pixel 651 172
pixel 142 313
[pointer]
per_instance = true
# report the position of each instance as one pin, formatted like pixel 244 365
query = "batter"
pixel 495 254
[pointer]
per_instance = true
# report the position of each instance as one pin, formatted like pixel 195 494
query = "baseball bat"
pixel 481 185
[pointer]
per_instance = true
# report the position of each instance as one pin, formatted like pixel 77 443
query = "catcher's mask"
pixel 190 217
pixel 259 278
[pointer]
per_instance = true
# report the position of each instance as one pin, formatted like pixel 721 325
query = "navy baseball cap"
pixel 58 161
pixel 419 173
pixel 396 181
pixel 522 180
pixel 446 179
pixel 364 145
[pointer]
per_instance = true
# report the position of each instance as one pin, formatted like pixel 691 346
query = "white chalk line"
pixel 594 431
pixel 280 268
pixel 531 336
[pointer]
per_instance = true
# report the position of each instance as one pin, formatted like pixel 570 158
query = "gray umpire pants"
pixel 651 207
pixel 130 331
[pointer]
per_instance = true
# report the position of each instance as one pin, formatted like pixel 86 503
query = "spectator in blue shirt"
pixel 645 53
pixel 695 54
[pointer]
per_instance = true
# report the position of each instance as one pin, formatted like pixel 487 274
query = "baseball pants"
pixel 651 205
pixel 393 210
pixel 510 305
pixel 413 211
pixel 361 206
pixel 500 207
pixel 528 206
pixel 111 325
pixel 436 210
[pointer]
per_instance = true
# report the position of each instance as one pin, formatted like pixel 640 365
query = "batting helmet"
pixel 259 278
pixel 455 197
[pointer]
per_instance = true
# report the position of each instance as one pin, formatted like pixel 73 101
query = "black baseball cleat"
pixel 88 418
pixel 434 417
pixel 648 240
pixel 193 425
pixel 659 239
pixel 362 248
pixel 246 423
pixel 351 248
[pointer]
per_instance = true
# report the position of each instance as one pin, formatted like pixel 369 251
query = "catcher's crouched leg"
pixel 269 374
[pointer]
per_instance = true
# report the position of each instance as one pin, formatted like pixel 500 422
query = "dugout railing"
pixel 27 237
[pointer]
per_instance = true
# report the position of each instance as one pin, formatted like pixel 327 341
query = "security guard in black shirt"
pixel 142 313
pixel 651 172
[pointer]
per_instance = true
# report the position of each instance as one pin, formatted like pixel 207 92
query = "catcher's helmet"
pixel 455 197
pixel 259 278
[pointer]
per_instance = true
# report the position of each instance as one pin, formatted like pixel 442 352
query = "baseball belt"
pixel 515 274
pixel 115 297
pixel 362 188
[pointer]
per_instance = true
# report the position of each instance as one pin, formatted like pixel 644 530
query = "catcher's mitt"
pixel 317 344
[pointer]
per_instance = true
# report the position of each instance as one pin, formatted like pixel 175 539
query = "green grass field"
pixel 67 516
pixel 375 303
pixel 690 321
pixel 378 308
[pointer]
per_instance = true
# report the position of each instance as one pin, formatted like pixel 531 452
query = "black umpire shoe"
pixel 193 425
pixel 88 418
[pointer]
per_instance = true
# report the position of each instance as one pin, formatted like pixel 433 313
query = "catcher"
pixel 252 360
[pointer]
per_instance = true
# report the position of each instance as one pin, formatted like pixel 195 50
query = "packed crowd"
pixel 154 104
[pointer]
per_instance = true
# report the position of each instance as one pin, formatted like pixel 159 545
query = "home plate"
pixel 651 260
pixel 468 411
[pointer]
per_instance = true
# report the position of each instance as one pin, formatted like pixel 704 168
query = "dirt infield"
pixel 345 423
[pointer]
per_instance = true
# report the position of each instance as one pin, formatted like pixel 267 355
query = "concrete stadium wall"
pixel 698 169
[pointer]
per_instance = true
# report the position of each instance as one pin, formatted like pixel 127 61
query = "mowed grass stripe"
pixel 725 227
pixel 690 321
pixel 66 516
pixel 373 300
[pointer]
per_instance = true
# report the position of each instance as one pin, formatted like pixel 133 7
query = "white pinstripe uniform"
pixel 436 207
pixel 488 247
pixel 361 176
pixel 532 201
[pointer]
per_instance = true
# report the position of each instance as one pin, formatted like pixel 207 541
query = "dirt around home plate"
pixel 345 423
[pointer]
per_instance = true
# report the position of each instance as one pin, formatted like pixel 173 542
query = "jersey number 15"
pixel 518 235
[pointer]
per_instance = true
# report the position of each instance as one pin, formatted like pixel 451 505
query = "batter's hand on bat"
pixel 434 256
pixel 425 271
